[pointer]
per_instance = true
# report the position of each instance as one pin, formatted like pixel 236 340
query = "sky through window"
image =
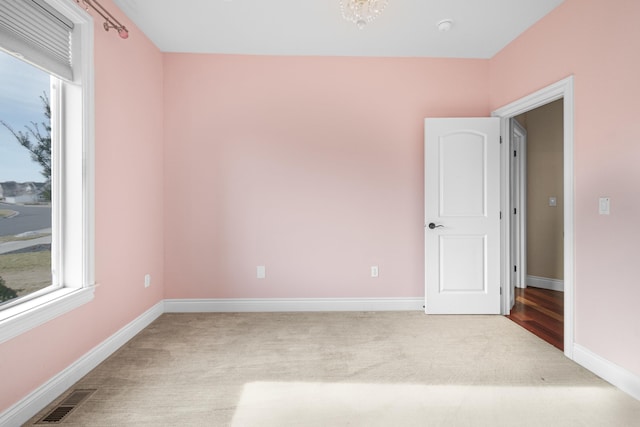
pixel 21 86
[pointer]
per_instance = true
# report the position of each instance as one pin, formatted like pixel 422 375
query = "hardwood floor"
pixel 541 312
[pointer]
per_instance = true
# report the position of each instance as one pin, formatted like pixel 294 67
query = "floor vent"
pixel 58 414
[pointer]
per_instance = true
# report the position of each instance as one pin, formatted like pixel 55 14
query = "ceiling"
pixel 406 28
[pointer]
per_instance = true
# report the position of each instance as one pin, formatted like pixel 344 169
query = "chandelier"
pixel 362 12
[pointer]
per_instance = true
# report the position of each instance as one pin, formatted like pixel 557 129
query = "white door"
pixel 462 216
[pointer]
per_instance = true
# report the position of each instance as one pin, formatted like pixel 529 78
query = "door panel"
pixel 466 250
pixel 462 204
pixel 461 184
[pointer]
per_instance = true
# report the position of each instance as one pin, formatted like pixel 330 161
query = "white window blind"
pixel 33 30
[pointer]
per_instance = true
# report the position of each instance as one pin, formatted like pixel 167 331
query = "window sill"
pixel 23 317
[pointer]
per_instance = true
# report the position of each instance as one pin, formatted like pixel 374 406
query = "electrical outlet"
pixel 374 271
pixel 147 280
pixel 261 272
pixel 604 206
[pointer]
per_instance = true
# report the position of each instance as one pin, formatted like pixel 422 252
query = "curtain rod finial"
pixel 123 33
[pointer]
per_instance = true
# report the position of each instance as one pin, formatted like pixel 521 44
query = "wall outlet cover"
pixel 374 271
pixel 604 206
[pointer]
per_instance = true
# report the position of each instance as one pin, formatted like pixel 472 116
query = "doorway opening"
pixel 524 264
pixel 537 205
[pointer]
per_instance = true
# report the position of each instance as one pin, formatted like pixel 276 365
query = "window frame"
pixel 73 213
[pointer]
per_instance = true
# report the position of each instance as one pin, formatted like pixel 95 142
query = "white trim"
pixel 49 391
pixel 28 407
pixel 537 99
pixel 559 90
pixel 73 222
pixel 520 202
pixel 30 314
pixel 545 283
pixel 625 380
pixel 240 305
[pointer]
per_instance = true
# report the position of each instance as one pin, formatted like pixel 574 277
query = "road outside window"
pixel 25 180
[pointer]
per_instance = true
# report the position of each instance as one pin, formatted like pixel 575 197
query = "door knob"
pixel 432 225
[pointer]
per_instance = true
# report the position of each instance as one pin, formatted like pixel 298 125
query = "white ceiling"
pixel 406 28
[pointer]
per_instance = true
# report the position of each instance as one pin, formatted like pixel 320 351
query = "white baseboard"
pixel 291 304
pixel 608 371
pixel 49 391
pixel 545 283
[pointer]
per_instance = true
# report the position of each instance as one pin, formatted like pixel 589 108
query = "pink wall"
pixel 313 167
pixel 129 217
pixel 310 166
pixel 598 42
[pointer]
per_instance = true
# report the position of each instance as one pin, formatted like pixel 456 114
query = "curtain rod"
pixel 109 20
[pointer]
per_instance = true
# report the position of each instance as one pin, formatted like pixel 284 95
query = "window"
pixel 25 181
pixel 55 36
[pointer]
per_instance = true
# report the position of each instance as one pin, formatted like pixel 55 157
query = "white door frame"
pixel 518 202
pixel 559 90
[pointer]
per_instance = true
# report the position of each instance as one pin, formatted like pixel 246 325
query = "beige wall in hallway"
pixel 545 249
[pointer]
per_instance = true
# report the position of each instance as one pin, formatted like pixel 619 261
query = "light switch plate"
pixel 261 272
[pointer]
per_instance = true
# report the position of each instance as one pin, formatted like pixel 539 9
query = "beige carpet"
pixel 344 369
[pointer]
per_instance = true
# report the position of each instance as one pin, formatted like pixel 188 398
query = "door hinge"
pixel 514 153
pixel 515 268
pixel 500 214
pixel 515 211
pixel 500 290
pixel 500 139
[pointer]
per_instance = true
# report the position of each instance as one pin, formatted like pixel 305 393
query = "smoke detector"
pixel 444 25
